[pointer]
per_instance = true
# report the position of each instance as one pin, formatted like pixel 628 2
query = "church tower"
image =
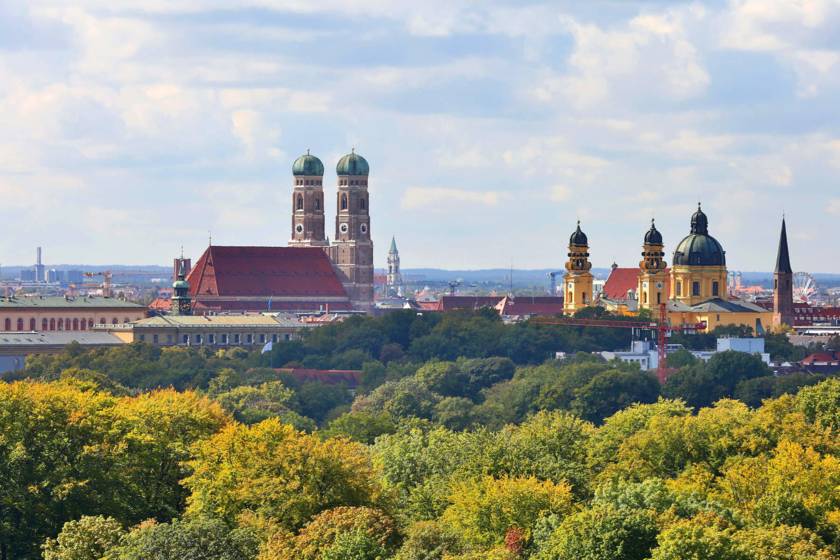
pixel 698 272
pixel 577 283
pixel 393 283
pixel 181 301
pixel 783 313
pixel 652 276
pixel 352 250
pixel 308 202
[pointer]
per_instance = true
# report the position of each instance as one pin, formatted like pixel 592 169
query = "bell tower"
pixel 352 250
pixel 577 283
pixel 308 202
pixel 783 313
pixel 393 283
pixel 181 300
pixel 652 277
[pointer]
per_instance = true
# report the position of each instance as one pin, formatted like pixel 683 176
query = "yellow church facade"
pixel 693 290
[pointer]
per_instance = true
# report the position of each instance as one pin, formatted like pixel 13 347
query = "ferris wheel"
pixel 804 287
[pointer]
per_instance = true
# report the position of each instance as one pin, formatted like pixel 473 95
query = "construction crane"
pixel 662 328
pixel 552 281
pixel 453 286
pixel 108 276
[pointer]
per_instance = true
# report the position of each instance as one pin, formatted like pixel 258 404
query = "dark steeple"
pixel 783 256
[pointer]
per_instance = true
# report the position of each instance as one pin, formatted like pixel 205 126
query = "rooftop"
pixel 58 338
pixel 52 302
pixel 229 321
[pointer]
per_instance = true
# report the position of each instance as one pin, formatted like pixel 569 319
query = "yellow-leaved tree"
pixel 272 470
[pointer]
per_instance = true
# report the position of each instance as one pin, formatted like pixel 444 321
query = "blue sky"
pixel 129 129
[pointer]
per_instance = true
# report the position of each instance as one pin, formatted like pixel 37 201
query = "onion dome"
pixel 578 237
pixel 307 164
pixel 653 237
pixel 352 164
pixel 699 248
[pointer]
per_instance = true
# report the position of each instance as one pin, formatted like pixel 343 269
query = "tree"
pixel 189 539
pixel 89 538
pixel 362 426
pixel 602 533
pixel 254 404
pixel 341 533
pixel 429 540
pixel 273 470
pixel 697 539
pixel 483 510
pixel 782 543
pixel 614 390
pixel 454 413
pixel 821 404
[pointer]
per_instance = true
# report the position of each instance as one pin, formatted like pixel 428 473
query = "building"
pixel 642 352
pixel 393 281
pixel 255 279
pixel 783 312
pixel 693 289
pixel 43 314
pixel 310 274
pixel 577 283
pixel 220 331
pixel 16 346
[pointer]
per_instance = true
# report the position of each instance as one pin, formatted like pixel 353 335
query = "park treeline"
pixel 139 452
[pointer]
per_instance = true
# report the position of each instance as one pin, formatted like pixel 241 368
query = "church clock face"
pixel 363 228
pixel 343 228
pixel 299 228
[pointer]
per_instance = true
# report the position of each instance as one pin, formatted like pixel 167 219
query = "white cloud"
pixel 443 199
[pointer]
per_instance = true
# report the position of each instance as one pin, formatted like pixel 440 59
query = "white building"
pixel 646 356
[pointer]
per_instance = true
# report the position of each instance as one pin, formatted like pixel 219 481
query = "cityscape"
pixel 438 281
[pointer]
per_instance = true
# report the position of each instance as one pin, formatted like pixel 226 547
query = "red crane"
pixel 662 328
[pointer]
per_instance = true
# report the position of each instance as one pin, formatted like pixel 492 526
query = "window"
pixel 362 203
pixel 211 339
pixel 287 337
pixel 198 339
pixel 142 338
pixel 169 339
pixel 31 324
pixel 127 320
pixel 90 323
pixel 317 203
pixel 274 338
pixel 300 202
pixel 262 339
pixel 186 339
pixel 695 288
pixel 679 288
pixel 52 324
pixel 644 297
pixel 45 325
pixel 658 298
pixel 236 338
pixel 249 339
pixel 715 289
pixel 571 296
pixel 76 324
pixel 8 325
pixel 61 324
pixel 102 321
pixel 115 321
pixel 20 324
pixel 583 297
pixel 155 338
pixel 224 338
pixel 344 202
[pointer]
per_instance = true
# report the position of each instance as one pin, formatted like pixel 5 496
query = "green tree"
pixel 821 404
pixel 602 533
pixel 429 540
pixel 614 390
pixel 89 538
pixel 697 540
pixel 362 426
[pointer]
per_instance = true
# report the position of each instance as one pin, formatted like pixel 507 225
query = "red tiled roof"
pixel 821 358
pixel 452 303
pixel 348 377
pixel 161 304
pixel 545 305
pixel 622 280
pixel 428 305
pixel 264 272
pixel 234 305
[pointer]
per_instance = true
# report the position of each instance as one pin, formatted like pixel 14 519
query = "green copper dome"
pixel 307 164
pixel 352 164
pixel 181 284
pixel 699 248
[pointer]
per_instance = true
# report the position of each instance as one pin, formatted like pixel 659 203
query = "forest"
pixel 464 440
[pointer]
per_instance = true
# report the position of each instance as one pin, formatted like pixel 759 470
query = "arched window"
pixel 658 298
pixel 52 324
pixel 32 324
pixel 317 203
pixel 83 324
pixel 644 297
pixel 45 325
pixel 75 324
pixel 61 324
pixel 8 325
pixel 90 323
pixel 571 296
pixel 20 324
pixel 300 202
pixel 102 321
pixel 679 288
pixel 362 203
pixel 115 321
pixel 344 202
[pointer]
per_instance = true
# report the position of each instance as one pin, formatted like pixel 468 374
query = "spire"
pixel 393 248
pixel 182 269
pixel 783 256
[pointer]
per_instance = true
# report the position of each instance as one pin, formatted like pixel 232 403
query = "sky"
pixel 130 129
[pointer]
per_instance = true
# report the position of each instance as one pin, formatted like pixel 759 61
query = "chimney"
pixel 38 256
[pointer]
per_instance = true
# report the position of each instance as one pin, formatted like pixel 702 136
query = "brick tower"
pixel 352 250
pixel 308 202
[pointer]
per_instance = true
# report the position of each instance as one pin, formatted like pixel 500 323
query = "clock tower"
pixel 308 202
pixel 577 283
